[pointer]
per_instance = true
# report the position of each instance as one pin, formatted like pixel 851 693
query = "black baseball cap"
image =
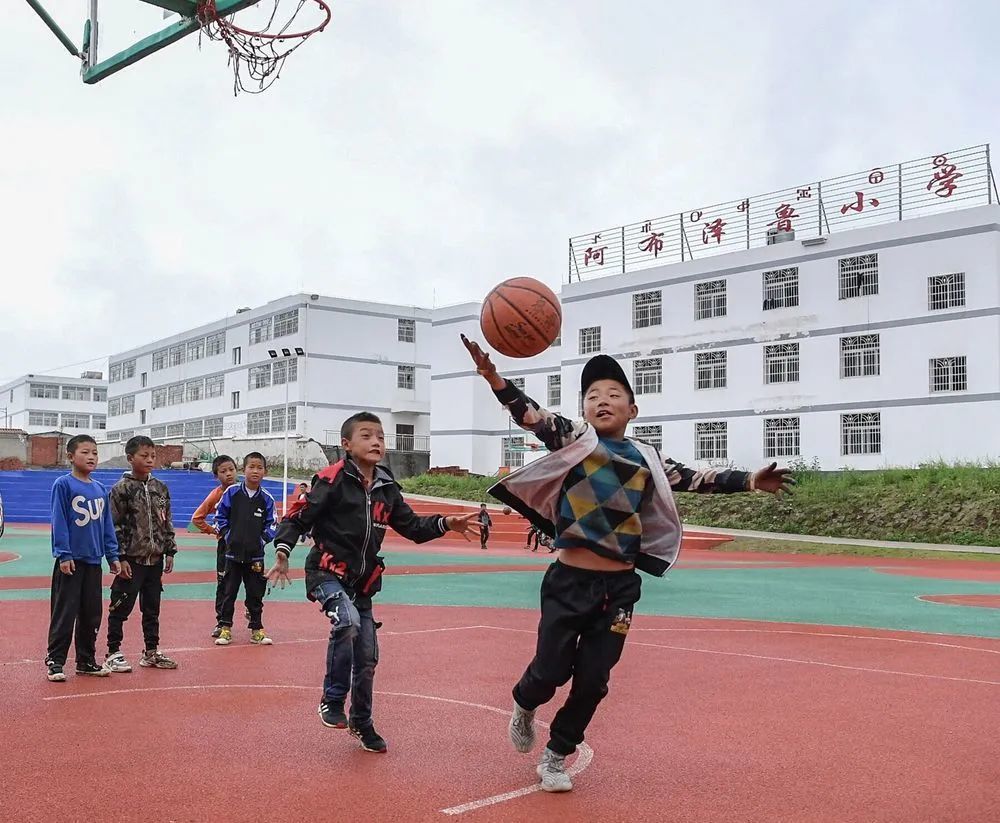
pixel 603 367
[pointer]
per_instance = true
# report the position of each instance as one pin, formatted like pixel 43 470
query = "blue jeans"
pixel 352 653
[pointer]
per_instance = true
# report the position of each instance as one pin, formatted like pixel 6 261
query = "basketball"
pixel 521 317
pixel 506 509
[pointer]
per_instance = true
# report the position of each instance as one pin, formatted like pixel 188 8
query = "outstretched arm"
pixel 421 529
pixel 711 481
pixel 554 430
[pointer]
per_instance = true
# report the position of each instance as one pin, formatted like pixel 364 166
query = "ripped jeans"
pixel 352 653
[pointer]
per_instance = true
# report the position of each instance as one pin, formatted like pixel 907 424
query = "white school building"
pixel 38 403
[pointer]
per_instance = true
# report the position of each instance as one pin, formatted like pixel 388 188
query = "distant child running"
pixel 140 508
pixel 82 537
pixel 485 524
pixel 349 507
pixel 608 500
pixel 245 520
pixel 224 469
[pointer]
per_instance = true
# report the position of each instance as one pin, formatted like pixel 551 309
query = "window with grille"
pixel 194 390
pixel 99 421
pixel 859 356
pixel 781 363
pixel 949 374
pixel 861 433
pixel 649 434
pixel 517 381
pixel 44 391
pixel 259 377
pixel 260 330
pixel 590 340
pixel 213 427
pixel 159 399
pixel 76 421
pixel 946 291
pixel 512 457
pixel 36 418
pixel 647 309
pixel 175 394
pixel 710 370
pixel 195 349
pixel 158 432
pixel 286 322
pixel 286 370
pixel 175 430
pixel 100 395
pixel 214 386
pixel 194 428
pixel 781 288
pixel 711 441
pixel 781 437
pixel 555 390
pixel 709 299
pixel 406 330
pixel 215 344
pixel 258 422
pixel 176 355
pixel 405 377
pixel 159 360
pixel 128 404
pixel 128 369
pixel 114 407
pixel 858 276
pixel 76 393
pixel 278 419
pixel 115 373
pixel 648 376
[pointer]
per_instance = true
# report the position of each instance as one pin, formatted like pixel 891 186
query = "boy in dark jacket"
pixel 608 501
pixel 82 536
pixel 140 508
pixel 245 521
pixel 349 506
pixel 485 524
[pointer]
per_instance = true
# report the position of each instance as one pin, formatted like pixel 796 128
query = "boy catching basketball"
pixel 348 508
pixel 608 500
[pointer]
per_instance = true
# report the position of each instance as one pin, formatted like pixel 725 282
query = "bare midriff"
pixel 586 559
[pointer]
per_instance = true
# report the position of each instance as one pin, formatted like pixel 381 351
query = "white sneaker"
pixel 552 771
pixel 522 729
pixel 117 663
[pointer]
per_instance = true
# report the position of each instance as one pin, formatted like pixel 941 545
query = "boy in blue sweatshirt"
pixel 245 522
pixel 82 536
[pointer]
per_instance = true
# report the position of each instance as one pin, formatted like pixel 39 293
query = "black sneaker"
pixel 332 715
pixel 92 669
pixel 56 673
pixel 371 740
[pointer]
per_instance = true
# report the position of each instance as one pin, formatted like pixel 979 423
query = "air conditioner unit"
pixel 775 236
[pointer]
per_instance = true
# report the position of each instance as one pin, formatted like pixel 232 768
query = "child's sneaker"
pixel 225 636
pixel 92 669
pixel 522 729
pixel 552 771
pixel 155 660
pixel 56 673
pixel 332 715
pixel 216 631
pixel 259 637
pixel 371 740
pixel 117 663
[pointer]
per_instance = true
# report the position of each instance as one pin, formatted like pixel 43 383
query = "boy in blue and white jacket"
pixel 83 535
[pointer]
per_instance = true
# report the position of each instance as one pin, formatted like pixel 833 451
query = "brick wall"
pixel 47 450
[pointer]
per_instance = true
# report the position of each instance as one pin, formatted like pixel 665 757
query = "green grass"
pixel 754 544
pixel 934 503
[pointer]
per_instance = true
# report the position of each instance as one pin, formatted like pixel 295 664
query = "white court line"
pixel 583 760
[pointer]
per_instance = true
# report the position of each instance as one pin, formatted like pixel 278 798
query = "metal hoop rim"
pixel 264 35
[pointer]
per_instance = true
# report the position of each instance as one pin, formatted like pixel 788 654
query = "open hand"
pixel 483 363
pixel 277 575
pixel 67 566
pixel 773 480
pixel 168 564
pixel 464 524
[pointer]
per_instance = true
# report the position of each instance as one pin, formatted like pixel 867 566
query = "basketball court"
pixel 753 687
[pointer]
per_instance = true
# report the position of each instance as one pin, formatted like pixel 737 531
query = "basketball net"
pixel 257 56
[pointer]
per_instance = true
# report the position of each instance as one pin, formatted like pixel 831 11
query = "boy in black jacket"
pixel 245 521
pixel 349 506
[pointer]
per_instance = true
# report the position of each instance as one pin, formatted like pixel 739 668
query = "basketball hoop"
pixel 258 56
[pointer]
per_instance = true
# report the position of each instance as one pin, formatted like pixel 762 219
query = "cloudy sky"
pixel 421 152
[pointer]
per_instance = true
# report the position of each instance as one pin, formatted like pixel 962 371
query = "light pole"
pixel 286 355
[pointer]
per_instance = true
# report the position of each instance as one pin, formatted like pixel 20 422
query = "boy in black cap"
pixel 608 500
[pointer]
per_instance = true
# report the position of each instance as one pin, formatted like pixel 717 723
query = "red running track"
pixel 707 720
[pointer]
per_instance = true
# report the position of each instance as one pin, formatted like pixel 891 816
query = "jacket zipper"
pixel 149 515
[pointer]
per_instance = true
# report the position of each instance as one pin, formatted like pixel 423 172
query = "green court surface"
pixel 836 595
